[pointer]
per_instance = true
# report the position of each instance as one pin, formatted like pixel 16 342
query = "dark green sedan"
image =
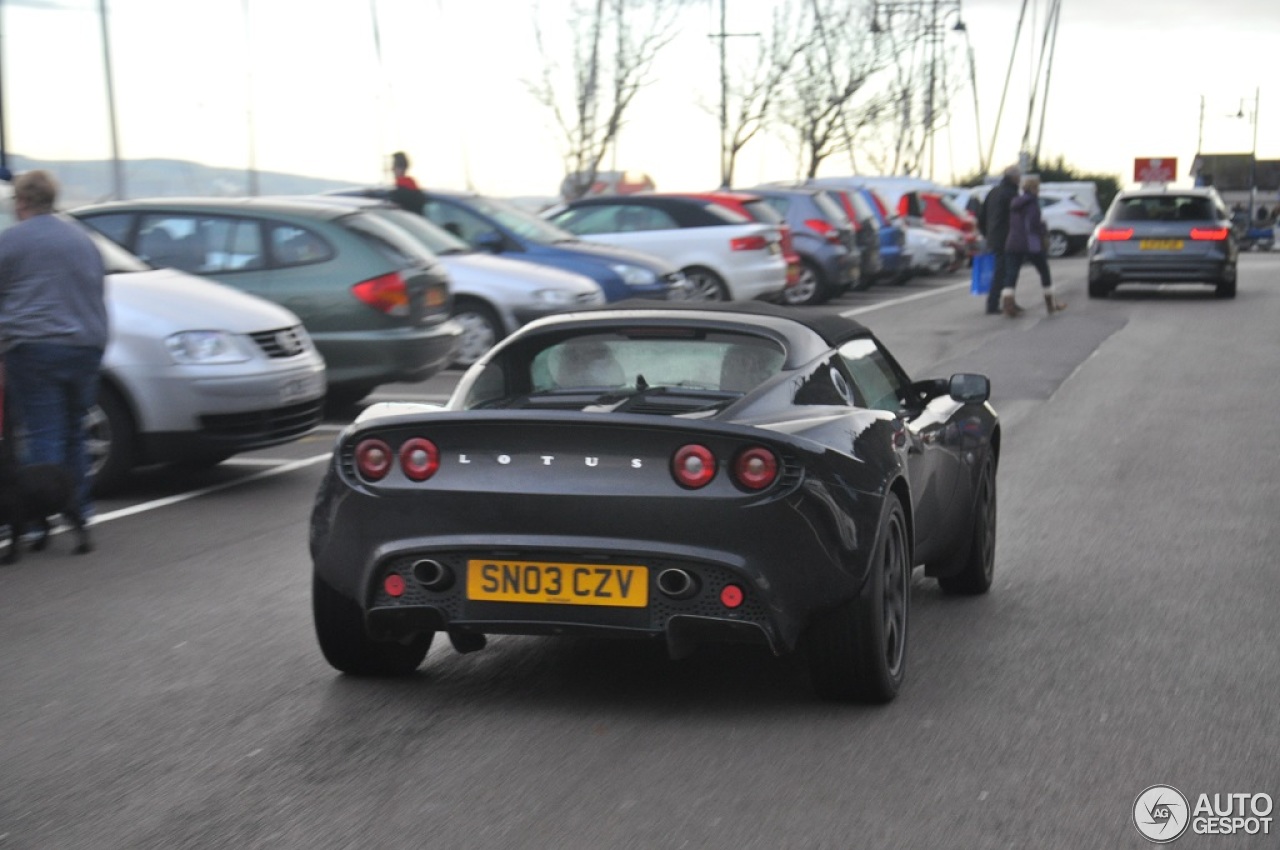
pixel 375 301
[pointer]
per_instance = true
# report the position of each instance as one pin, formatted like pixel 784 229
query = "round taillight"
pixel 419 458
pixel 373 459
pixel 731 596
pixel 393 584
pixel 755 468
pixel 693 466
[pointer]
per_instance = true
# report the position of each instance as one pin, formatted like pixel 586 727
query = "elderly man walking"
pixel 994 224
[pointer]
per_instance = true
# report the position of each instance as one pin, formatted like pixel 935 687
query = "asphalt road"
pixel 166 691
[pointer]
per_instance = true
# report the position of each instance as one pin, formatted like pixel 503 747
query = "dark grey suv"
pixel 823 237
pixel 1164 236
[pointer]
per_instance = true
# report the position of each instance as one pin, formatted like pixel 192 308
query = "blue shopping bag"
pixel 984 268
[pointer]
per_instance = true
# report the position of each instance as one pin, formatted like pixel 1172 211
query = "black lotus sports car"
pixel 680 471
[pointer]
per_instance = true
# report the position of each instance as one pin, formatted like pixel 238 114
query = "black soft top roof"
pixel 833 328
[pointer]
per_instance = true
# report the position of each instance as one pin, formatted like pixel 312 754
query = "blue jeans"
pixel 49 388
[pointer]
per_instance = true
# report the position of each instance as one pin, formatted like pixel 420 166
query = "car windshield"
pixel 1164 208
pixel 649 370
pixel 523 224
pixel 437 239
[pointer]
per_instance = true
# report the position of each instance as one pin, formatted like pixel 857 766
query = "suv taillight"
pixel 1210 234
pixel 1114 234
pixel 386 294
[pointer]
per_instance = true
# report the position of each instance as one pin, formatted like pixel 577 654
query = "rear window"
pixel 399 248
pixel 761 211
pixel 831 209
pixel 1164 208
pixel 724 213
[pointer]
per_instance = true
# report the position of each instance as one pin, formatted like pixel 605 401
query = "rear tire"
pixel 706 285
pixel 857 652
pixel 346 644
pixel 1059 244
pixel 978 557
pixel 1098 289
pixel 1225 289
pixel 810 290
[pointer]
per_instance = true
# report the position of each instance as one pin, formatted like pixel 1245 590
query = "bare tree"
pixel 614 46
pixel 830 98
pixel 755 94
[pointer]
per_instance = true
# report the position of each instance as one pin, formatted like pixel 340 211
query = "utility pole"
pixel 117 169
pixel 723 35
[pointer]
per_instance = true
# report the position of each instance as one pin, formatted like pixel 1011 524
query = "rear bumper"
pixel 401 355
pixel 1207 270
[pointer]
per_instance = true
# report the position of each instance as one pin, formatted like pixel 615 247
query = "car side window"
pixel 296 246
pixel 462 223
pixel 876 382
pixel 173 241
pixel 231 244
pixel 114 226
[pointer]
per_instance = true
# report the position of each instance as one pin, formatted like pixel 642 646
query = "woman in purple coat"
pixel 1027 242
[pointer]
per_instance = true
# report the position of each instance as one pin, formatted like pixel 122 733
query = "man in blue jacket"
pixel 53 326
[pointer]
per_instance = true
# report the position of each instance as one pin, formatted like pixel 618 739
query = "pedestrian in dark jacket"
pixel 994 224
pixel 1026 242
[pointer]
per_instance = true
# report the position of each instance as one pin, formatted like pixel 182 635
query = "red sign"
pixel 1155 170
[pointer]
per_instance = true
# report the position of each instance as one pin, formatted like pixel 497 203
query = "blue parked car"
pixel 895 264
pixel 499 227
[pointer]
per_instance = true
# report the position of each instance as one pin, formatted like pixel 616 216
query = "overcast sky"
pixel 303 87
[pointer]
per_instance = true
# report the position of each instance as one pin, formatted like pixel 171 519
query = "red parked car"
pixel 936 208
pixel 757 209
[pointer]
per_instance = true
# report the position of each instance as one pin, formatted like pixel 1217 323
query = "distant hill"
pixel 88 181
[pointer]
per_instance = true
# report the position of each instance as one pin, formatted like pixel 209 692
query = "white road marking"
pixel 858 311
pixel 204 491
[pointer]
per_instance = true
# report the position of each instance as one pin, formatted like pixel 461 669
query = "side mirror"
pixel 490 240
pixel 969 387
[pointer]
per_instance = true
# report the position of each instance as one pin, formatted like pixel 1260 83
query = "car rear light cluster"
pixel 749 243
pixel 386 293
pixel 1079 213
pixel 1210 234
pixel 1114 234
pixel 418 458
pixel 753 468
pixel 824 229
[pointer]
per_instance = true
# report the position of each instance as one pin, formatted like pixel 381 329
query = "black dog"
pixel 29 495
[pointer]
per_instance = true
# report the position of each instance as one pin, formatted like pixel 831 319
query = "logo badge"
pixel 1161 814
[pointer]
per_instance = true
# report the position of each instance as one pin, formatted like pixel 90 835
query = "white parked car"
pixel 724 255
pixel 932 249
pixel 1068 222
pixel 195 372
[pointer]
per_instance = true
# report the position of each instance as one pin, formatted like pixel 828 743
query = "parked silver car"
pixel 493 295
pixel 195 372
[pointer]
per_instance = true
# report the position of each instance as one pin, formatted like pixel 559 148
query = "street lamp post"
pixel 933 15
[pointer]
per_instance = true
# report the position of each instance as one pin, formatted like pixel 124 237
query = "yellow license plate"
pixel 558 584
pixel 1160 244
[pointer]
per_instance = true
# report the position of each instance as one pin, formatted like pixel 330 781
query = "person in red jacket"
pixel 406 194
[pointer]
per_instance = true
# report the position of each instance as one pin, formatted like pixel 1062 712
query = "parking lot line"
pixel 278 469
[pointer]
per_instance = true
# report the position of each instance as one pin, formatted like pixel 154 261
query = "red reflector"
pixel 1210 234
pixel 749 243
pixel 755 468
pixel 731 596
pixel 373 459
pixel 394 585
pixel 419 458
pixel 1114 234
pixel 693 466
pixel 387 294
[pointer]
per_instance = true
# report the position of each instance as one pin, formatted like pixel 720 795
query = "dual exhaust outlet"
pixel 672 583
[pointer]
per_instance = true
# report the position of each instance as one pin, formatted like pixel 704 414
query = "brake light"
pixel 386 294
pixel 373 459
pixel 749 243
pixel 1078 213
pixel 755 468
pixel 1114 234
pixel 1210 234
pixel 693 466
pixel 419 458
pixel 824 229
